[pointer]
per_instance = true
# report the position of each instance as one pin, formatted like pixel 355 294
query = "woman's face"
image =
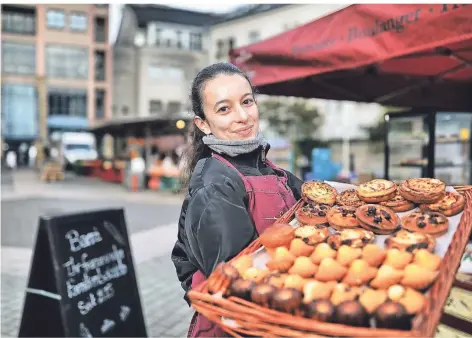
pixel 230 109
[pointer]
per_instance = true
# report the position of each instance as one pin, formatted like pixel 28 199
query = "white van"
pixel 78 147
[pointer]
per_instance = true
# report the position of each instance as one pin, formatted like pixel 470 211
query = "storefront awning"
pixel 400 55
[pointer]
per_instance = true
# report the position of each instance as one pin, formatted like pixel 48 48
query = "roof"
pixel 151 13
pixel 249 10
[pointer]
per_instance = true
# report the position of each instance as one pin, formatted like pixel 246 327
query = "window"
pixel 125 110
pixel 55 18
pixel 231 43
pixel 179 39
pixel 18 20
pixel 173 107
pixel 220 44
pixel 18 58
pixel 100 66
pixel 195 41
pixel 254 36
pixel 155 106
pixel 67 101
pixel 66 62
pixel 100 30
pixel 99 103
pixel 167 73
pixel 158 37
pixel 19 111
pixel 78 22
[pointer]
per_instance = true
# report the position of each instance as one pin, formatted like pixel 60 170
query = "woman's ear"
pixel 202 125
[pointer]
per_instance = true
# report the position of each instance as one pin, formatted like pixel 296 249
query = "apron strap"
pixel 229 164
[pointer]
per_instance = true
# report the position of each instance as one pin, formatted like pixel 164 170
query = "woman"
pixel 234 192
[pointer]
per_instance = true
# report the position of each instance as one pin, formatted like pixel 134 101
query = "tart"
pixel 378 219
pixel 356 238
pixel 322 310
pixel 349 198
pixel 276 236
pixel 422 190
pixel 322 251
pixel 392 315
pixel 330 270
pixel 312 214
pixel 432 223
pixel 312 234
pixel 319 193
pixel 410 241
pixel 398 203
pixel 376 191
pixel 352 313
pixel 451 204
pixel 342 217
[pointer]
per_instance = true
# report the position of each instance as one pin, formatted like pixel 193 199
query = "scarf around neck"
pixel 234 147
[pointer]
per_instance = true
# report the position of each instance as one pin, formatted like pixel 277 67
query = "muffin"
pixel 278 235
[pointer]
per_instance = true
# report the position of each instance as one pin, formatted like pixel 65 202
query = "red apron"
pixel 269 198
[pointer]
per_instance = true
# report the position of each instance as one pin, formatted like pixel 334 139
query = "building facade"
pixel 157 53
pixel 56 69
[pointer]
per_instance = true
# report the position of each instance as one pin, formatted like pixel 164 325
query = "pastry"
pixel 386 277
pixel 343 292
pixel 427 260
pixel 398 203
pixel 352 313
pixel 287 300
pixel 282 261
pixel 312 234
pixel 299 248
pixel 422 190
pixel 262 294
pixel 432 223
pixel 221 278
pixel 396 292
pixel 378 219
pixel 359 273
pixel 356 238
pixel 349 198
pixel 373 254
pixel 451 204
pixel 255 274
pixel 276 236
pixel 346 254
pixel 276 279
pixel 242 288
pixel 317 290
pixel 322 251
pixel 311 214
pixel 371 299
pixel 318 193
pixel 342 217
pixel 398 259
pixel 243 263
pixel 303 267
pixel 410 241
pixel 418 277
pixel 392 315
pixel 295 282
pixel 330 270
pixel 413 301
pixel 376 191
pixel 321 310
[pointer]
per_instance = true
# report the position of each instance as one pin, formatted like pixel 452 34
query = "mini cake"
pixel 243 263
pixel 276 236
pixel 314 290
pixel 282 261
pixel 299 248
pixel 386 277
pixel 371 299
pixel 311 214
pixel 295 282
pixel 321 310
pixel 422 190
pixel 431 223
pixel 352 313
pixel 376 191
pixel 303 267
pixel 349 198
pixel 287 300
pixel 378 219
pixel 276 279
pixel 255 274
pixel 242 288
pixel 319 193
pixel 356 238
pixel 392 315
pixel 346 254
pixel 398 203
pixel 398 259
pixel 427 260
pixel 417 277
pixel 343 292
pixel 413 301
pixel 322 251
pixel 342 217
pixel 410 241
pixel 451 204
pixel 359 273
pixel 373 254
pixel 262 294
pixel 312 234
pixel 330 270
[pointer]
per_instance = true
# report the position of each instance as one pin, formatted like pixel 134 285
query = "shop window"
pixel 19 111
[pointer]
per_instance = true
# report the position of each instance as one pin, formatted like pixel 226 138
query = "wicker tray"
pixel 239 317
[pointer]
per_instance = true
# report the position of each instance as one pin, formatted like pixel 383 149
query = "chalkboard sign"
pixel 82 281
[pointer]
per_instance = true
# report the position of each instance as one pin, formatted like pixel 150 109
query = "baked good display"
pixel 422 190
pixel 373 254
pixel 312 214
pixel 303 267
pixel 392 315
pixel 376 191
pixel 322 251
pixel 276 236
pixel 342 217
pixel 262 294
pixel 413 301
pixel 312 234
pixel 451 204
pixel 318 193
pixel 352 313
pixel 349 198
pixel 321 309
pixel 398 203
pixel 378 219
pixel 432 223
pixel 410 241
pixel 356 238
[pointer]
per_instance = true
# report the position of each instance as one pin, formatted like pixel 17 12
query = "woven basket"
pixel 255 320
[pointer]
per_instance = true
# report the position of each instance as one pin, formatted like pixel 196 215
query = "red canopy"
pixel 404 55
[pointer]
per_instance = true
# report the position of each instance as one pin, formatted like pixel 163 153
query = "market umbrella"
pixel 403 55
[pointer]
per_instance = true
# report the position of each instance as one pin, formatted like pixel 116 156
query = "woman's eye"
pixel 248 101
pixel 223 109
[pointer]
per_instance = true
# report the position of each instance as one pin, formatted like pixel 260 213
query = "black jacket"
pixel 214 224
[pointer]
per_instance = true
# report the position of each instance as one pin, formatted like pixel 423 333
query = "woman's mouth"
pixel 244 131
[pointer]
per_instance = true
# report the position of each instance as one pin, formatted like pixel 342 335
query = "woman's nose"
pixel 242 114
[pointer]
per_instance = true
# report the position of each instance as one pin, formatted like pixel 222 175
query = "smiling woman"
pixel 234 192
